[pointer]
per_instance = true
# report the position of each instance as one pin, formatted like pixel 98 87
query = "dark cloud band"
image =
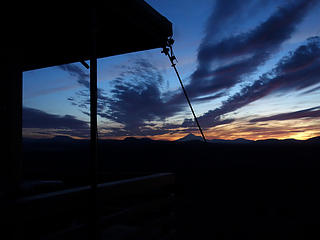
pixel 34 118
pixel 306 113
pixel 298 70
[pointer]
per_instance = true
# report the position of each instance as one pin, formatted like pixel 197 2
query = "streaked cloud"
pixel 298 70
pixel 137 99
pixel 141 105
pixel 293 128
pixel 224 63
pixel 49 91
pixel 34 118
pixel 305 113
pixel 80 74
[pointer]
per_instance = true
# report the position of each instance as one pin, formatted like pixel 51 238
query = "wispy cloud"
pixel 228 17
pixel 293 128
pixel 311 90
pixel 305 113
pixel 224 63
pixel 34 118
pixel 80 74
pixel 49 91
pixel 137 99
pixel 298 70
pixel 82 99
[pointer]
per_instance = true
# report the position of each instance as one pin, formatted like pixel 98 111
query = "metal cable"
pixel 169 52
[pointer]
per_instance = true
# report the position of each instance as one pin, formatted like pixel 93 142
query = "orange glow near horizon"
pixel 301 129
pixel 297 129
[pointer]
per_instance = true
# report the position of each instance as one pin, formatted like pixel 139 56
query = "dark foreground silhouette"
pixel 254 190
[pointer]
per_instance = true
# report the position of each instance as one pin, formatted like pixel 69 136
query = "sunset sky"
pixel 251 70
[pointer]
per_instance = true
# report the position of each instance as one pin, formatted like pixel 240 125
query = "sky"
pixel 251 71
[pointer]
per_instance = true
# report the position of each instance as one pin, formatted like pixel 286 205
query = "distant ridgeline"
pixel 187 138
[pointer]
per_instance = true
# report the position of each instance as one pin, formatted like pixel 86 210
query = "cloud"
pixel 137 99
pixel 34 118
pixel 224 63
pixel 206 122
pixel 208 98
pixel 306 113
pixel 83 96
pixel 311 90
pixel 223 13
pixel 228 17
pixel 48 91
pixel 77 72
pixel 303 129
pixel 299 70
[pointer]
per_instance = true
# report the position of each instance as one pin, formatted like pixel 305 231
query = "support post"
pixel 11 121
pixel 93 129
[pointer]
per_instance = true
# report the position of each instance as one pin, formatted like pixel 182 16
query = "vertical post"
pixel 12 118
pixel 11 160
pixel 93 127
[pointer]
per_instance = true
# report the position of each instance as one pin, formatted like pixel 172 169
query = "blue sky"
pixel 250 71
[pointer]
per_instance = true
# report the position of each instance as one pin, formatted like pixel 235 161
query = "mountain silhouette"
pixel 269 141
pixel 61 138
pixel 219 141
pixel 291 141
pixel 190 137
pixel 238 140
pixel 313 140
pixel 134 139
pixel 242 140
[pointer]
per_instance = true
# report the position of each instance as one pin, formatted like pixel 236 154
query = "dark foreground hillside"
pixel 68 160
pixel 260 190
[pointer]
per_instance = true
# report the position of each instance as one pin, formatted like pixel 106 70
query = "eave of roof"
pixel 60 34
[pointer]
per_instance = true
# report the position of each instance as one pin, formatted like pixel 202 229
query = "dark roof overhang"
pixel 53 34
